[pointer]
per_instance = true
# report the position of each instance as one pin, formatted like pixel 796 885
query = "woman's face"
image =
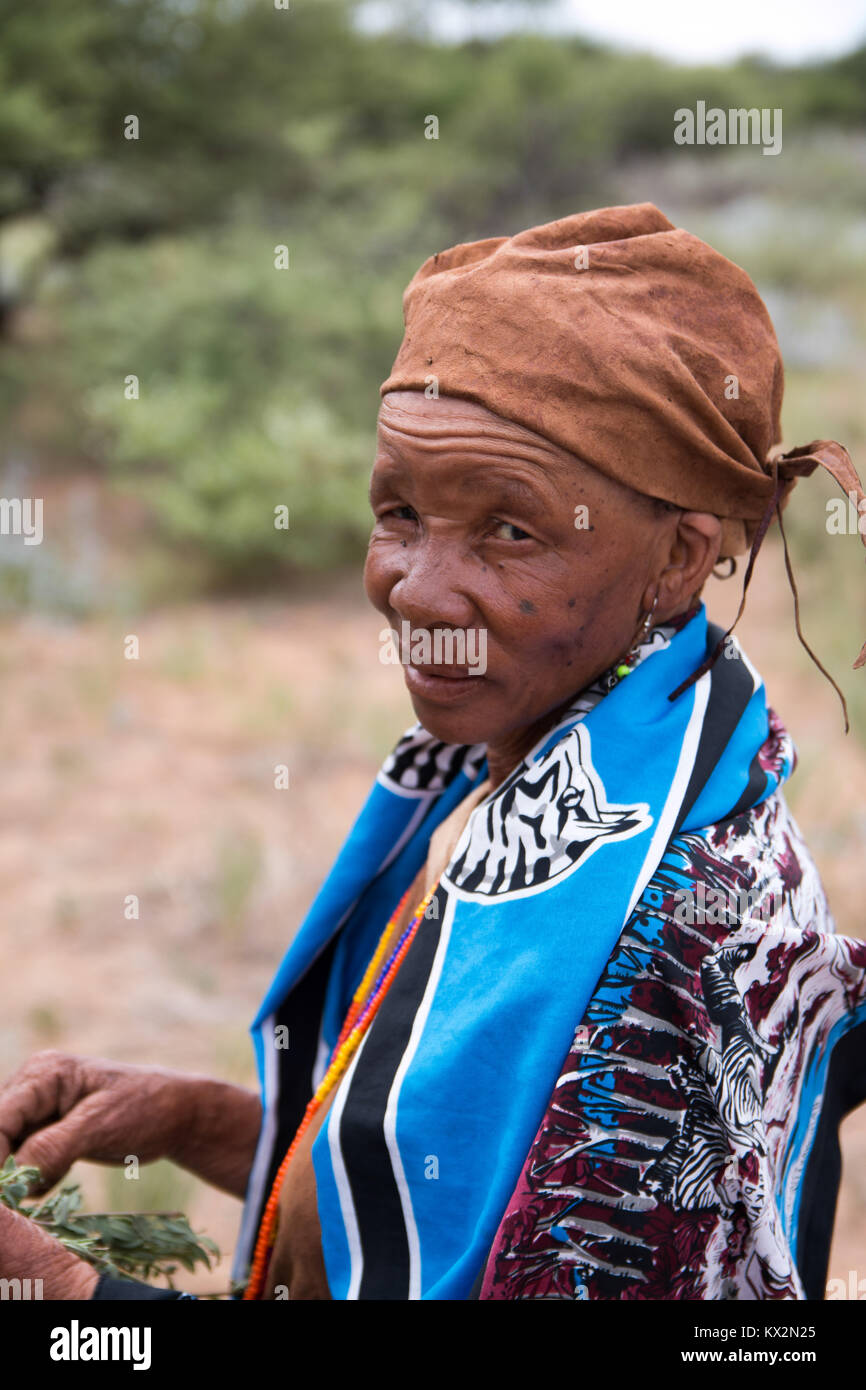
pixel 484 527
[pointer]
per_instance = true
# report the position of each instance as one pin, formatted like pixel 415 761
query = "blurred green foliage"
pixel 261 127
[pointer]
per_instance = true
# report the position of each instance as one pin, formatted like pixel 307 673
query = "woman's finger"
pixel 43 1088
pixel 55 1148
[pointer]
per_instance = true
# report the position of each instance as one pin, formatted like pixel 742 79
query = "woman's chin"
pixel 464 721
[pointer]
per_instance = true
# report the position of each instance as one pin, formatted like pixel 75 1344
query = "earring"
pixel 647 622
pixel 624 668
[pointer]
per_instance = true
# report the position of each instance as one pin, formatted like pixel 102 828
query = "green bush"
pixel 257 387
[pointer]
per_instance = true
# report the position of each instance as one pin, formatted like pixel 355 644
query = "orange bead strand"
pixel 361 1013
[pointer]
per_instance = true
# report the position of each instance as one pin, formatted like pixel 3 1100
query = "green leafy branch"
pixel 142 1245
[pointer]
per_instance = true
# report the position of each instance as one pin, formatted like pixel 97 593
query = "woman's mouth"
pixel 442 685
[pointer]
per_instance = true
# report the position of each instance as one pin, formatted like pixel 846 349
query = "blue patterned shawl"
pixel 430 1129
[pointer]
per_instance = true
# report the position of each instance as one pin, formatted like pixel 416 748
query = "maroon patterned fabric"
pixel 690 1147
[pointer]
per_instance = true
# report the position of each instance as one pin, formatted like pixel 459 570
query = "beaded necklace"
pixel 378 978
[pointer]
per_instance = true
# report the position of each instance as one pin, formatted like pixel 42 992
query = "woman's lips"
pixel 440 687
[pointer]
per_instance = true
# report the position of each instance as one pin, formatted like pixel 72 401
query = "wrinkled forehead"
pixel 412 423
pixel 410 420
pixel 415 410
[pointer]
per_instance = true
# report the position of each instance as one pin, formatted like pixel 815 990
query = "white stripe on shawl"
pixel 390 1122
pixel 679 786
pixel 264 1150
pixel 341 1178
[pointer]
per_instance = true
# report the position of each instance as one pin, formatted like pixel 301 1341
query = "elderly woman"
pixel 568 1018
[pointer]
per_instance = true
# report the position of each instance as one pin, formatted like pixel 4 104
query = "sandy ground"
pixel 154 777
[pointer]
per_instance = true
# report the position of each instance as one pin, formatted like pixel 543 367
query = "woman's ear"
pixel 693 551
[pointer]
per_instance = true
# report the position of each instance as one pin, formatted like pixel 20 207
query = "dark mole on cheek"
pixel 526 606
pixel 572 602
pixel 403 543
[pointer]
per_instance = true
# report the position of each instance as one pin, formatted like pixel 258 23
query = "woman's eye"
pixel 516 534
pixel 402 513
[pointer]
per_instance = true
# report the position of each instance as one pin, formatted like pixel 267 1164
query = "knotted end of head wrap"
pixel 786 469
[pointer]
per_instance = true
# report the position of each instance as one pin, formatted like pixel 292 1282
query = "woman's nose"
pixel 432 587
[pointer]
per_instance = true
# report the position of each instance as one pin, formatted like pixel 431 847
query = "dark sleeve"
pixel 111 1288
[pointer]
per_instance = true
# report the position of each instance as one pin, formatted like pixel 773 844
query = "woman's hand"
pixel 27 1252
pixel 57 1109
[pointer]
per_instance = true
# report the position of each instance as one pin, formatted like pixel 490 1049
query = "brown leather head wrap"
pixel 631 344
